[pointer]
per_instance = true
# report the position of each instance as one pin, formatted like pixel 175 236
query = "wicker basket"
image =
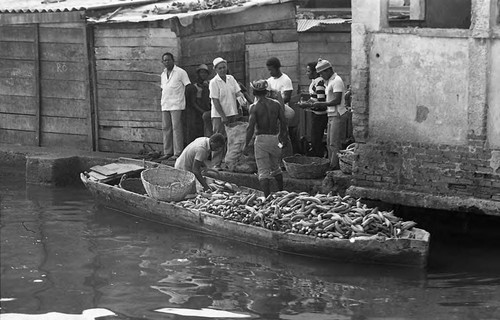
pixel 346 158
pixel 302 167
pixel 132 184
pixel 168 184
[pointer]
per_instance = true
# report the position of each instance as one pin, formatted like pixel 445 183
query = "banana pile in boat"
pixel 321 215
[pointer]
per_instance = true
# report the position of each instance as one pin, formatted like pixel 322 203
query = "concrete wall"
pixel 426 111
pixel 493 130
pixel 418 88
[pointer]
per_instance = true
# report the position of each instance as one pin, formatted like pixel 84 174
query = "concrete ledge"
pixel 53 166
pixel 334 181
pixel 425 200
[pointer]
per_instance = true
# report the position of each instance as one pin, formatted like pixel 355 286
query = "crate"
pixel 168 184
pixel 302 167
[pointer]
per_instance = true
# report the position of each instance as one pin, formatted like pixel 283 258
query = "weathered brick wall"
pixel 436 169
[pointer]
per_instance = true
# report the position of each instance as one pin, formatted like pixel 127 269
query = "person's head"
pixel 217 142
pixel 220 66
pixel 311 70
pixel 273 65
pixel 202 72
pixel 168 60
pixel 259 87
pixel 324 68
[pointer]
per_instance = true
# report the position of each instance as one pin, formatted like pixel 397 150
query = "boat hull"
pixel 401 251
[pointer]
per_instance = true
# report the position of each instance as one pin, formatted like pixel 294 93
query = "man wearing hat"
pixel 336 110
pixel 267 120
pixel 224 90
pixel 199 122
pixel 173 101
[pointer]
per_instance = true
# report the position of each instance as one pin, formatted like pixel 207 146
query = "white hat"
pixel 323 65
pixel 218 60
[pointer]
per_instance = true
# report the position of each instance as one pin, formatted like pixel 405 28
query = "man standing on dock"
pixel 267 120
pixel 173 85
pixel 336 110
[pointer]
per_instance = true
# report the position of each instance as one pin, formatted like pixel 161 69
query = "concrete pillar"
pixel 479 66
pixel 373 14
pixel 367 16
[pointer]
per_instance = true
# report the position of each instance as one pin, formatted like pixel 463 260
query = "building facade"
pixel 427 109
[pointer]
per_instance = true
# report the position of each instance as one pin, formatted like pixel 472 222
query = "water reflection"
pixel 62 253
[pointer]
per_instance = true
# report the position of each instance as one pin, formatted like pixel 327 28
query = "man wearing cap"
pixel 199 122
pixel 224 90
pixel 336 110
pixel 173 85
pixel 267 120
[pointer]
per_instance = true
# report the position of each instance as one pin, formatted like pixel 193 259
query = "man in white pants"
pixel 173 85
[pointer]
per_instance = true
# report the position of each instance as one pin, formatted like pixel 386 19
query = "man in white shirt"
pixel 336 110
pixel 195 155
pixel 280 82
pixel 173 84
pixel 224 90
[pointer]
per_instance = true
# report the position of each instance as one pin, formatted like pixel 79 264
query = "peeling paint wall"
pixel 426 110
pixel 418 89
pixel 493 131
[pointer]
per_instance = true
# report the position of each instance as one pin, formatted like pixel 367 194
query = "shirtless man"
pixel 267 120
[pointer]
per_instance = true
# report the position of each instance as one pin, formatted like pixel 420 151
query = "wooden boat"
pixel 411 251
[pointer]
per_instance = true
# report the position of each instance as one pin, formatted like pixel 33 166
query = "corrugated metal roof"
pixel 127 10
pixel 33 6
pixel 306 24
pixel 166 10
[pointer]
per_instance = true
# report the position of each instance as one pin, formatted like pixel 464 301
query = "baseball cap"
pixel 322 65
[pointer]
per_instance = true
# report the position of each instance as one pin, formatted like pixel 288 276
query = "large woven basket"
pixel 346 158
pixel 168 184
pixel 302 167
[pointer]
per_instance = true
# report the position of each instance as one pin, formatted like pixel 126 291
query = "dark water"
pixel 61 253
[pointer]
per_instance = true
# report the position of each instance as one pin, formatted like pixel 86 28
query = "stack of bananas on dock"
pixel 321 215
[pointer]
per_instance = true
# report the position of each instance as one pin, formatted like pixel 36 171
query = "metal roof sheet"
pixel 165 10
pixel 306 24
pixel 34 6
pixel 127 10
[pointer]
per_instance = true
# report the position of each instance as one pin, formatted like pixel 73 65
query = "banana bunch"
pixel 322 215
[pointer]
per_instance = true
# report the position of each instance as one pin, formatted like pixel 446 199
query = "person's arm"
pixel 336 89
pixel 287 90
pixel 245 93
pixel 197 167
pixel 251 126
pixel 283 127
pixel 321 106
pixel 218 108
pixel 287 96
pixel 276 95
